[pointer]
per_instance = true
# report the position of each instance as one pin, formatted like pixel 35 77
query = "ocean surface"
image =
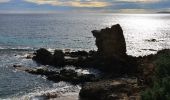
pixel 21 34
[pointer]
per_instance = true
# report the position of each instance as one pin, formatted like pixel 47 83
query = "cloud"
pixel 72 3
pixel 4 1
pixel 140 1
pixel 134 11
pixel 123 6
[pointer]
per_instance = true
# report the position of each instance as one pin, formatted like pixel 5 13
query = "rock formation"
pixel 43 56
pixel 117 89
pixel 68 75
pixel 58 58
pixel 111 54
pixel 110 41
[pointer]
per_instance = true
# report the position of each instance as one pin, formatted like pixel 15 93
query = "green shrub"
pixel 159 91
pixel 162 66
pixel 161 79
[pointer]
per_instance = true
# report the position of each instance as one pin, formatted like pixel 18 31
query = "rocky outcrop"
pixel 67 75
pixel 58 58
pixel 118 89
pixel 43 56
pixel 111 59
pixel 111 55
pixel 110 41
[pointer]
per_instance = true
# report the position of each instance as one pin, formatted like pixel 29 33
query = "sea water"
pixel 21 34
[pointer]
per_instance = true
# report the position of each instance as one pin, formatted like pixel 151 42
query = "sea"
pixel 22 34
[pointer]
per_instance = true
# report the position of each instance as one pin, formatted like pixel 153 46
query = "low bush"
pixel 160 89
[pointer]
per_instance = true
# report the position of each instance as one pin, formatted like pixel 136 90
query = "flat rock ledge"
pixel 113 89
pixel 67 75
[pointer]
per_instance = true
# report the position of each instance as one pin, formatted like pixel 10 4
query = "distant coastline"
pixel 164 12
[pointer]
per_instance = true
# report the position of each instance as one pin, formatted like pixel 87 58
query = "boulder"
pixel 42 71
pixel 151 40
pixel 58 58
pixel 43 56
pixel 87 78
pixel 110 41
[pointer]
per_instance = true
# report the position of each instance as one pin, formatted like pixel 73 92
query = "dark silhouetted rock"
pixel 109 90
pixel 152 40
pixel 58 58
pixel 54 77
pixel 79 53
pixel 92 53
pixel 67 75
pixel 42 71
pixel 110 41
pixel 87 78
pixel 43 56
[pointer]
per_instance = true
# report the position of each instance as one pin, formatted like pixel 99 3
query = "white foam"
pixel 61 89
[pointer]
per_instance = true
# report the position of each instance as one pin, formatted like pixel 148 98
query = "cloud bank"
pixel 86 5
pixel 4 1
pixel 72 3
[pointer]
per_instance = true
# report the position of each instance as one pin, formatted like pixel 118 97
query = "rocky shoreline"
pixel 124 77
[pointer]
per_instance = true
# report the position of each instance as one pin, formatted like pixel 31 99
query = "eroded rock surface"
pixel 43 56
pixel 111 55
pixel 110 41
pixel 120 89
pixel 67 75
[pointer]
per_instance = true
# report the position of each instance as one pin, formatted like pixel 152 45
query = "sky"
pixel 117 6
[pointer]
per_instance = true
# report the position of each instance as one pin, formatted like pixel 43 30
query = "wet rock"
pixel 58 58
pixel 75 77
pixel 51 95
pixel 87 78
pixel 79 53
pixel 149 49
pixel 28 56
pixel 110 41
pixel 22 68
pixel 42 71
pixel 54 77
pixel 72 77
pixel 43 56
pixel 152 40
pixel 92 53
pixel 67 75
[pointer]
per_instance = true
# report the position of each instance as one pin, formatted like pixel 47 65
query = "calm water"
pixel 23 33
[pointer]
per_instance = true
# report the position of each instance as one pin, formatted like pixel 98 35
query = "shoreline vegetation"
pixel 123 77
